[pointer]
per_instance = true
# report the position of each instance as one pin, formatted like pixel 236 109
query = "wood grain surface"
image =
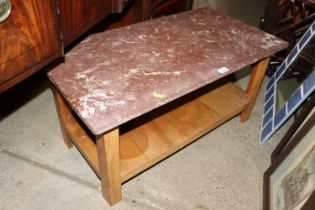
pixel 26 40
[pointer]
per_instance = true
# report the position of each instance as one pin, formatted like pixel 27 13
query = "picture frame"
pixel 305 109
pixel 272 118
pixel 309 204
pixel 290 180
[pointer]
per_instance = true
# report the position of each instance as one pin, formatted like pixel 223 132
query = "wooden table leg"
pixel 64 114
pixel 109 166
pixel 253 87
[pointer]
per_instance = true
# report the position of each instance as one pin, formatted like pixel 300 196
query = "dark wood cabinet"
pixel 118 6
pixel 36 31
pixel 157 8
pixel 140 10
pixel 29 39
pixel 77 16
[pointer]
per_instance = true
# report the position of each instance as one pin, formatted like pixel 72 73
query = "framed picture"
pixel 278 109
pixel 290 181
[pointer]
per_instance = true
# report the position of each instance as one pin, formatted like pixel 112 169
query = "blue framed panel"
pixel 272 120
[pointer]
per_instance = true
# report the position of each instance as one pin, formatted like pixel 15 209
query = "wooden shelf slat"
pixel 153 141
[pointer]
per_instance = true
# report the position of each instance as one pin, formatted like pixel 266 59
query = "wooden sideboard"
pixel 37 31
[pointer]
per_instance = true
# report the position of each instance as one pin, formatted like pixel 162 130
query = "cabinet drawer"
pixel 27 37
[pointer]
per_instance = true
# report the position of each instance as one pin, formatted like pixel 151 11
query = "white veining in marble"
pixel 115 76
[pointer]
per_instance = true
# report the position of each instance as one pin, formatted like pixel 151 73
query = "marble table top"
pixel 118 75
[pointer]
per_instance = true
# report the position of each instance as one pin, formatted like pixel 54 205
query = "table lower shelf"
pixel 159 137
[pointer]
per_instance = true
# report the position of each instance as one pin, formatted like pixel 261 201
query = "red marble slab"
pixel 117 75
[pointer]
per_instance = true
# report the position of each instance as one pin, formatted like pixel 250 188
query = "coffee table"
pixel 130 97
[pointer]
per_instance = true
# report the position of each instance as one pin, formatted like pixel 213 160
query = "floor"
pixel 222 170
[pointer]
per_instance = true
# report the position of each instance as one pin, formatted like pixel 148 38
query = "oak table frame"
pixel 117 155
pixel 104 156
